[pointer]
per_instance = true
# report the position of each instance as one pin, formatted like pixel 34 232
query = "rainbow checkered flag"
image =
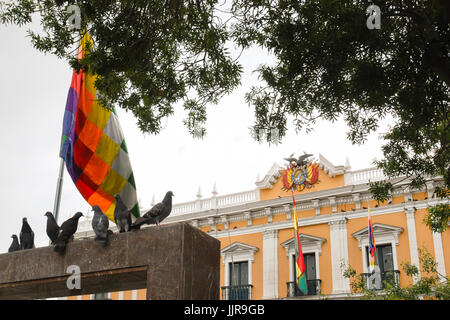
pixel 93 146
pixel 371 244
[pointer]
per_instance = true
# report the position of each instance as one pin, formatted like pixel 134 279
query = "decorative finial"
pixel 347 164
pixel 214 190
pixel 153 200
pixel 199 193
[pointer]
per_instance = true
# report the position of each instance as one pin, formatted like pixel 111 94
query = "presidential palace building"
pixel 255 228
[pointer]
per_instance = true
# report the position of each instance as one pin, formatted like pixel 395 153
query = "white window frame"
pixel 238 252
pixel 310 244
pixel 384 234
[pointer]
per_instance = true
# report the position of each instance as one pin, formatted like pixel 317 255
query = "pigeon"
pixel 52 227
pixel 122 215
pixel 66 232
pixel 100 225
pixel 15 246
pixel 157 213
pixel 26 236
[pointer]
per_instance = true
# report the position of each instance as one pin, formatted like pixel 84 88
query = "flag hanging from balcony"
pixel 371 243
pixel 93 145
pixel 300 267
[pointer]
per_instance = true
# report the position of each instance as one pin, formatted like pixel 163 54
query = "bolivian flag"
pixel 93 146
pixel 300 268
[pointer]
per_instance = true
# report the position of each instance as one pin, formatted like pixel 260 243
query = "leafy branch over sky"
pixel 150 55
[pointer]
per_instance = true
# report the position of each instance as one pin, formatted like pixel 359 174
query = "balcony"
pixel 313 288
pixel 240 292
pixel 391 278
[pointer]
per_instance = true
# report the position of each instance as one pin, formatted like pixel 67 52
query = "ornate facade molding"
pixel 309 244
pixel 383 233
pixel 238 251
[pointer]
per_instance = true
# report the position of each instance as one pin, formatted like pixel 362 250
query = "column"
pixel 412 237
pixel 439 253
pixel 270 264
pixel 339 255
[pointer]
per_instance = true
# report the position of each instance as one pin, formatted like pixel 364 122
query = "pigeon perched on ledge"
pixel 157 213
pixel 100 225
pixel 122 216
pixel 66 232
pixel 52 227
pixel 15 246
pixel 26 235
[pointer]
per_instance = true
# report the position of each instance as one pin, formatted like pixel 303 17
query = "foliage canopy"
pixel 150 55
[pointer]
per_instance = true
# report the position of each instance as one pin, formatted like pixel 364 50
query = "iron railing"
pixel 239 292
pixel 312 285
pixel 391 277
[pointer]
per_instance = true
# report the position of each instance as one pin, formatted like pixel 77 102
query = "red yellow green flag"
pixel 300 267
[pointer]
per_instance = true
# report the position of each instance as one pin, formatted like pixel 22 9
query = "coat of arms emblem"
pixel 300 173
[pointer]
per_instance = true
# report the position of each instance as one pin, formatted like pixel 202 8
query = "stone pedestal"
pixel 173 261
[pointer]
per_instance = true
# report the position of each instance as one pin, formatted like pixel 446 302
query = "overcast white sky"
pixel 33 92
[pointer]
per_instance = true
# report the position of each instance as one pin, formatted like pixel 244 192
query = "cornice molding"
pixel 309 244
pixel 381 231
pixel 238 251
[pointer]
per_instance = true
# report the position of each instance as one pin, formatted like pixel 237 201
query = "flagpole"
pixel 296 240
pixel 295 222
pixel 299 263
pixel 58 190
pixel 371 241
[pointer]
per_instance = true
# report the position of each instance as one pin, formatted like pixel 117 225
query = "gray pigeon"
pixel 15 246
pixel 26 236
pixel 66 232
pixel 157 213
pixel 100 225
pixel 122 216
pixel 52 227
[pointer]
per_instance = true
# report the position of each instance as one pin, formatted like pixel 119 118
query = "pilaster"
pixel 339 254
pixel 270 264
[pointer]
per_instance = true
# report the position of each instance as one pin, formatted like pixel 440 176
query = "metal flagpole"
pixel 58 190
pixel 297 251
pixel 295 222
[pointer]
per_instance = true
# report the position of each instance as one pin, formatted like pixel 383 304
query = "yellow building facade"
pixel 256 232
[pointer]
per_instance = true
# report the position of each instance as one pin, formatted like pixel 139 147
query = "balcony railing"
pixel 240 292
pixel 391 277
pixel 312 285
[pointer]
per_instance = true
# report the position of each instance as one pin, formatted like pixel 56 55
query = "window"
pixel 238 288
pixel 385 236
pixel 100 296
pixel 384 259
pixel 239 273
pixel 237 259
pixel 312 249
pixel 312 282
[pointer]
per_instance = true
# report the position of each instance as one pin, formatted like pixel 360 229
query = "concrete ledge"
pixel 173 261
